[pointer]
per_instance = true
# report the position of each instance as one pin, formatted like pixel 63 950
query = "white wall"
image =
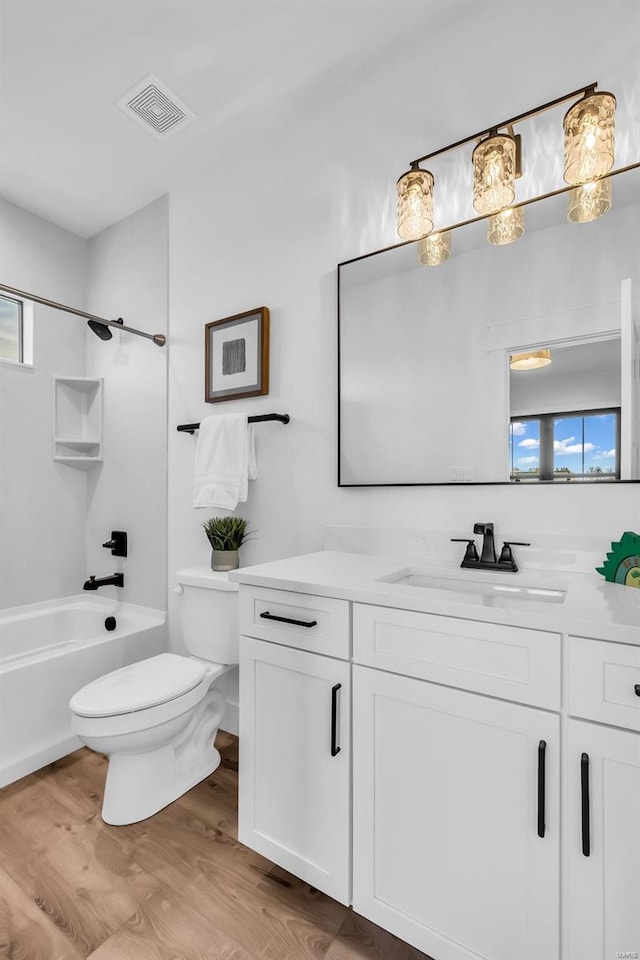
pixel 127 277
pixel 270 228
pixel 54 518
pixel 42 503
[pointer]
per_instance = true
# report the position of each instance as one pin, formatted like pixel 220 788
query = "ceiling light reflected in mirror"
pixel 533 360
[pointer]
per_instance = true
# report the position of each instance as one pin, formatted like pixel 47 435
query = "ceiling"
pixel 71 156
pixel 252 68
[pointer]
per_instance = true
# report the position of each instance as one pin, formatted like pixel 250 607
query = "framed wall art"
pixel 236 356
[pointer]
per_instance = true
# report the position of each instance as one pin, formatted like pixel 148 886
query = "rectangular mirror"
pixel 436 379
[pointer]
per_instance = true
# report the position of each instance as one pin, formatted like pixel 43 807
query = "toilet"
pixel 157 719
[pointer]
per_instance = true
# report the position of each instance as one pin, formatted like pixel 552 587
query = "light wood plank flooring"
pixel 176 887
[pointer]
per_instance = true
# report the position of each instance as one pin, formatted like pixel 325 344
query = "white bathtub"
pixel 47 652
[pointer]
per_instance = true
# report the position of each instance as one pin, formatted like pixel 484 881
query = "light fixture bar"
pixel 505 123
pixel 514 206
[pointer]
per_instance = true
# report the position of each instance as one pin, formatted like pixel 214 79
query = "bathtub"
pixel 47 652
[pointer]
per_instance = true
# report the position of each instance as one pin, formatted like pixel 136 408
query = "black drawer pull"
pixel 335 749
pixel 636 688
pixel 296 623
pixel 542 748
pixel 584 790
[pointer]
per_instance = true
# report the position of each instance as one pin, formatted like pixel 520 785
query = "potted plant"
pixel 226 535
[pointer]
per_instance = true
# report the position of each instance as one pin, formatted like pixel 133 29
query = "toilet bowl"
pixel 157 719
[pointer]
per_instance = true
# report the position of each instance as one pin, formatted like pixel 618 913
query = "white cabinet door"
pixel 295 762
pixel 449 802
pixel 603 842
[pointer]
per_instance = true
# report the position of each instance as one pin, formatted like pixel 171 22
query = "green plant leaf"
pixel 226 533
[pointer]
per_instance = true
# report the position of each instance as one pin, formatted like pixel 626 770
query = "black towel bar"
pixel 281 417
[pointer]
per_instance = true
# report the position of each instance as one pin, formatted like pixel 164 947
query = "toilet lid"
pixel 138 686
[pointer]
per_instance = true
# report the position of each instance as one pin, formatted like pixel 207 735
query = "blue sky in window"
pixel 597 446
pixel 600 442
pixel 525 444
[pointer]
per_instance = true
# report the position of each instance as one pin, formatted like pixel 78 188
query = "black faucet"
pixel 488 554
pixel 487 559
pixel 117 580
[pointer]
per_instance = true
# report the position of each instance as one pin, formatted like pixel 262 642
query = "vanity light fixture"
pixel 532 360
pixel 589 137
pixel 434 249
pixel 506 226
pixel 589 131
pixel 415 203
pixel 589 201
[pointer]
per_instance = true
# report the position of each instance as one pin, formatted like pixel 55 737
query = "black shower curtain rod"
pixel 158 338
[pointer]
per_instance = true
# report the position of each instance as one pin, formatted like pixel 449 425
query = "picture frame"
pixel 236 356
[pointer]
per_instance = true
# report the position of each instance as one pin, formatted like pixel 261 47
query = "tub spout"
pixel 117 580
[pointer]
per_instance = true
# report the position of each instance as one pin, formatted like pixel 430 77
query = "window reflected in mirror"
pixel 565 447
pixel 565 414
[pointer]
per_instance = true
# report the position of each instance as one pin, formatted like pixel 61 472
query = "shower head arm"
pixel 158 338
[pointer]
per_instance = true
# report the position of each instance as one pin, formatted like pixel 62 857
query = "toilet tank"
pixel 209 614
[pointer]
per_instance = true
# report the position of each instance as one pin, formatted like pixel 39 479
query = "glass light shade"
pixel 434 249
pixel 506 227
pixel 415 204
pixel 494 173
pixel 589 138
pixel 589 201
pixel 530 361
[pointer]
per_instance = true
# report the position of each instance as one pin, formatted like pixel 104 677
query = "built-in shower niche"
pixel 77 421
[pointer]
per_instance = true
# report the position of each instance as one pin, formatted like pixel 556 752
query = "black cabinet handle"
pixel 335 749
pixel 636 688
pixel 584 791
pixel 542 749
pixel 296 623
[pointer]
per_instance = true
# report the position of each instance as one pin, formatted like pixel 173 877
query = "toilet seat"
pixel 138 686
pixel 105 722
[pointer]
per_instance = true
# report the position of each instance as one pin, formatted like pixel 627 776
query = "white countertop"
pixel 591 607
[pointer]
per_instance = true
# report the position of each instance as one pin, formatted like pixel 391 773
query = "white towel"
pixel 225 460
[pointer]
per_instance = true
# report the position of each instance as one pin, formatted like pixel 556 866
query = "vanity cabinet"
pixel 484 804
pixel 508 662
pixel 602 777
pixel 456 827
pixel 295 758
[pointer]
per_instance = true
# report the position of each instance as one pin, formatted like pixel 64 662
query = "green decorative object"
pixel 623 561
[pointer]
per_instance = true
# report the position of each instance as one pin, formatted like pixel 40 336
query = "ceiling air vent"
pixel 156 108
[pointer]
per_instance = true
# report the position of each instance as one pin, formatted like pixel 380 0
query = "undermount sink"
pixel 471 590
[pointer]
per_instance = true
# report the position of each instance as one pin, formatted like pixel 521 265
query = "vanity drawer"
pixel 503 661
pixel 328 631
pixel 603 679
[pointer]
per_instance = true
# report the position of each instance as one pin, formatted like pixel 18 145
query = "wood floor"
pixel 176 887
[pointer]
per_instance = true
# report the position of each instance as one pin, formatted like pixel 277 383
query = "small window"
pixel 11 337
pixel 561 447
pixel 16 329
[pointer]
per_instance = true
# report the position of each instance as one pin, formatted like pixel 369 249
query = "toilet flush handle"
pixel 179 589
